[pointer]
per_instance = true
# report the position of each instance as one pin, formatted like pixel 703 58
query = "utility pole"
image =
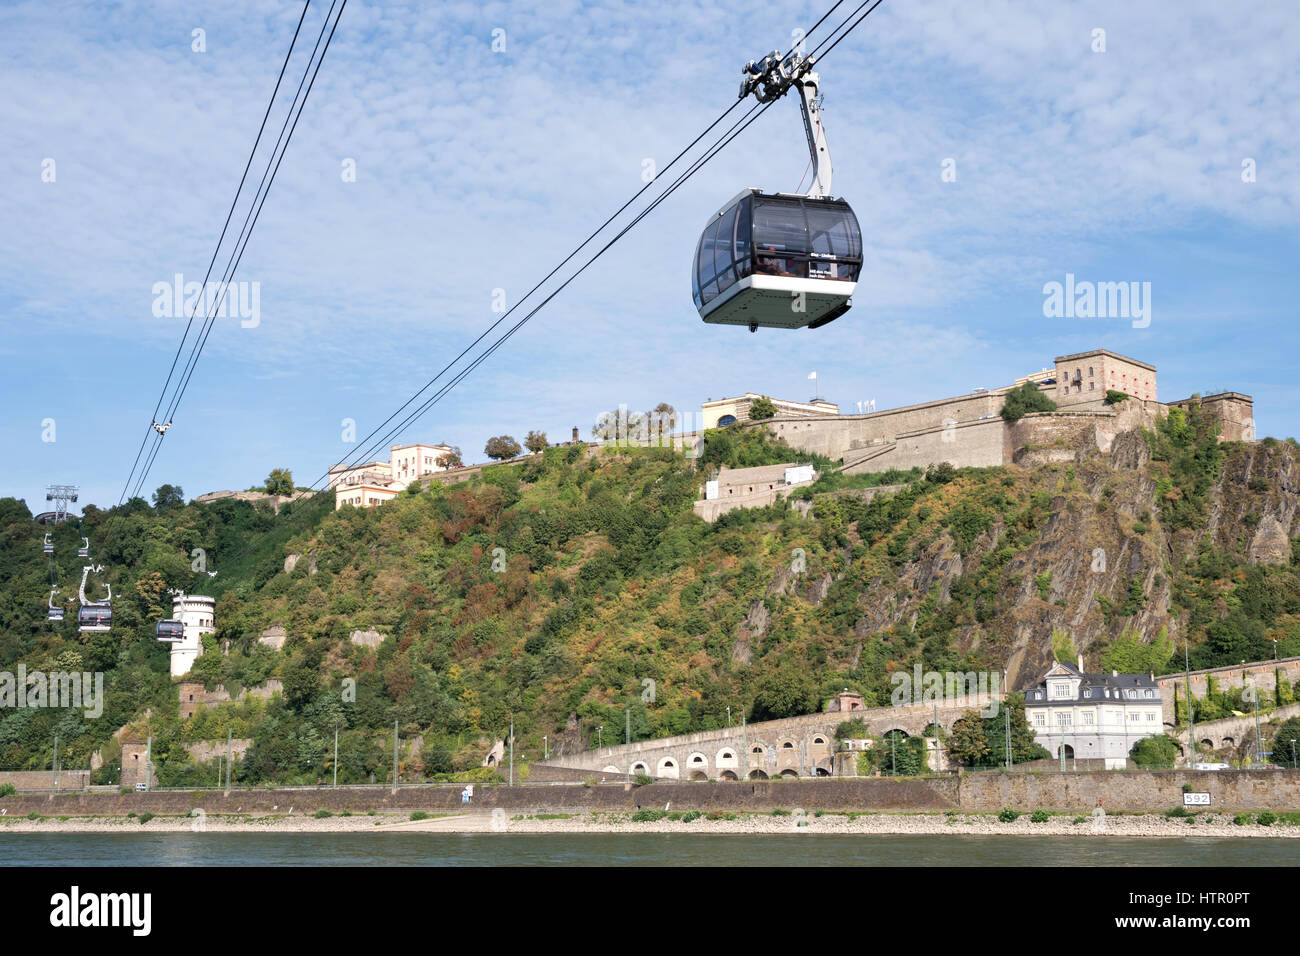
pixel 394 756
pixel 1259 743
pixel 744 747
pixel 336 756
pixel 148 759
pixel 546 748
pixel 893 753
pixel 1007 713
pixel 54 767
pixel 228 758
pixel 1191 720
pixel 512 751
pixel 627 740
pixel 938 754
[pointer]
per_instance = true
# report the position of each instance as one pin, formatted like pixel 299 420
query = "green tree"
pixel 168 497
pixel 1113 397
pixel 762 408
pixel 1129 655
pixel 1024 399
pixel 1281 745
pixel 663 419
pixel 536 442
pixel 787 691
pixel 501 447
pixel 968 744
pixel 1024 742
pixel 897 754
pixel 1155 753
pixel 279 482
pixel 450 459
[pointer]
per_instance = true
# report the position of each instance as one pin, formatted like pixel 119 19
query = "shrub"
pixel 1026 398
pixel 33 815
pixel 1039 816
pixel 1243 819
pixel 762 408
pixel 641 779
pixel 1114 397
pixel 322 814
pixel 1007 815
pixel 7 789
pixel 1178 811
pixel 145 817
pixel 648 815
pixel 1267 818
pixel 691 815
pixel 1077 820
pixel 779 812
pixel 417 815
pixel 589 782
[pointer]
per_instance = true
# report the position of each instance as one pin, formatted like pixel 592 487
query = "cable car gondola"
pixel 94 617
pixel 54 613
pixel 84 550
pixel 781 260
pixel 49 544
pixel 170 631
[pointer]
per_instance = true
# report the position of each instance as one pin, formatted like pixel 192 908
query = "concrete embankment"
pixel 1129 791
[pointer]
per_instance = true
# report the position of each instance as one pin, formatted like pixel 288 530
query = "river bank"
pixel 986 824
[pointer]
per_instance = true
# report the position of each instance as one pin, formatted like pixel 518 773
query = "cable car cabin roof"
pixel 777 261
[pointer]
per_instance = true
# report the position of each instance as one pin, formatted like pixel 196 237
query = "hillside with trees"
pixel 547 591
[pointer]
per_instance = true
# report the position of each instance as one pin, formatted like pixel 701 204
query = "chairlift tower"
pixel 61 495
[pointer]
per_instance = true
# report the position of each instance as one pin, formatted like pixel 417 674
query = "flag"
pixel 812 374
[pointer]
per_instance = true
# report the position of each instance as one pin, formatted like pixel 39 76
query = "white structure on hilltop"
pixel 1094 715
pixel 375 482
pixel 197 612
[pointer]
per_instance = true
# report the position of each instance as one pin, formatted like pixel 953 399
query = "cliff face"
pixel 1089 542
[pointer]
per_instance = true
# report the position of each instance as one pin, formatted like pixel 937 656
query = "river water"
pixel 630 849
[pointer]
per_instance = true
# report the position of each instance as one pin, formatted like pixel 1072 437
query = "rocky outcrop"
pixel 370 639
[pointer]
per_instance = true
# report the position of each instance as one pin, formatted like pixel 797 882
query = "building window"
pixel 1064 720
pixel 1151 718
pixel 1040 720
pixel 1087 718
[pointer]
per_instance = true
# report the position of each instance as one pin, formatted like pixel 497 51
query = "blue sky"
pixel 478 170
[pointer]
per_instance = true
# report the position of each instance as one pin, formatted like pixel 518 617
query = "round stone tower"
pixel 197 613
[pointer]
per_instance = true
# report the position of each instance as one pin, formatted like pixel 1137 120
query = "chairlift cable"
pixel 211 262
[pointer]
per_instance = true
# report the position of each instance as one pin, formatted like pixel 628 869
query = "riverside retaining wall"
pixel 1132 791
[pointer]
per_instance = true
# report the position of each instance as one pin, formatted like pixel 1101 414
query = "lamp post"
pixel 599 730
pixel 1007 712
pixel 1292 753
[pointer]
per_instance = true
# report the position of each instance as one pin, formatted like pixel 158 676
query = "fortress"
pixel 969 431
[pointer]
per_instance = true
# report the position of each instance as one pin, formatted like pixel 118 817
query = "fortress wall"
pixel 1262 675
pixel 44 779
pixel 975 444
